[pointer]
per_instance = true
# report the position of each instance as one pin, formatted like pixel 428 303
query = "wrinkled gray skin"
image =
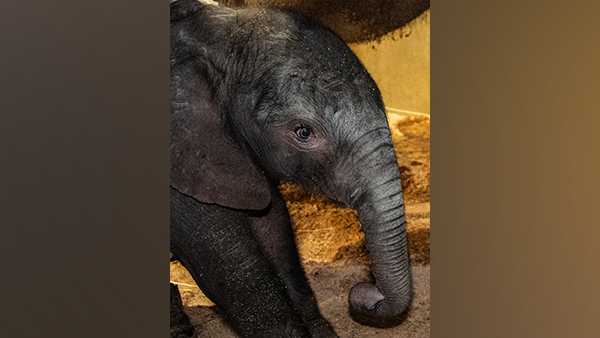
pixel 259 97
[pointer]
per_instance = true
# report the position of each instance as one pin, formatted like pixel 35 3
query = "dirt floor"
pixel 331 284
pixel 330 242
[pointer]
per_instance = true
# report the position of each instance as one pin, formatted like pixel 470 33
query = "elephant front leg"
pixel 273 231
pixel 217 247
pixel 180 323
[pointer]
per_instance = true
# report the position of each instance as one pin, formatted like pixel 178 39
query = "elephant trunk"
pixel 380 209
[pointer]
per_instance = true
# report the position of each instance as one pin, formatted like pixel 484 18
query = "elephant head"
pixel 261 95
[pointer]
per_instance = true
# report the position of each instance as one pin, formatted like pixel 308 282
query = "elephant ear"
pixel 206 162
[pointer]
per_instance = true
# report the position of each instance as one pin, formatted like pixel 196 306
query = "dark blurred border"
pixel 83 147
pixel 515 169
pixel 84 169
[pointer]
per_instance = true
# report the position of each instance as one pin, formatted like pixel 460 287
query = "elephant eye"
pixel 303 133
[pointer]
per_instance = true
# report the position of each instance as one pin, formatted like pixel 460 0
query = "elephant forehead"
pixel 341 82
pixel 325 91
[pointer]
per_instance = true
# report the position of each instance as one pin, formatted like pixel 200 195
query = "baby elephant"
pixel 259 97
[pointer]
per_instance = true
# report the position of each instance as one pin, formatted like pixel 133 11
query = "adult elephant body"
pixel 258 97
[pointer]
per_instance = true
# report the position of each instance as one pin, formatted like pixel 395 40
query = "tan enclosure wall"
pixel 399 63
